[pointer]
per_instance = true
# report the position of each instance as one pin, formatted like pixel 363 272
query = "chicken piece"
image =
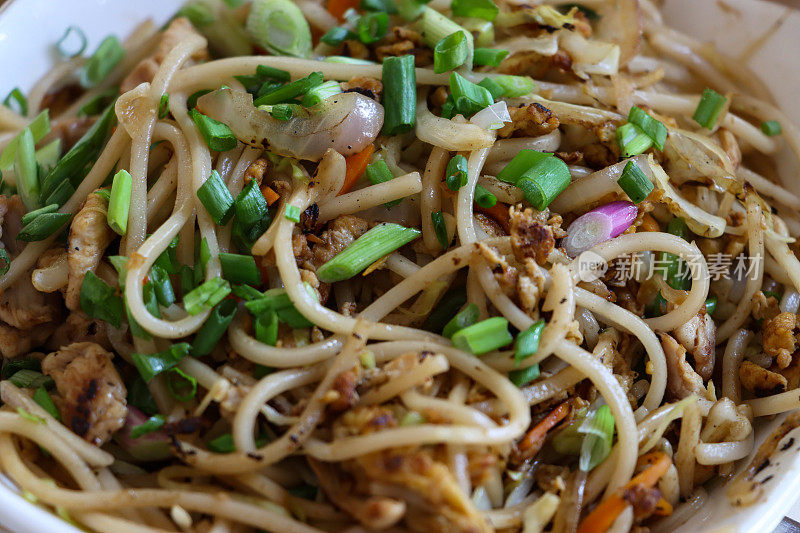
pixel 341 232
pixel 698 336
pixel 256 170
pixel 522 287
pixel 763 307
pixel 369 87
pixel 761 381
pixel 779 338
pixel 23 307
pixel 11 211
pixel 178 30
pixel 92 401
pixel 529 120
pixel 79 328
pixel 598 156
pixel 59 99
pixel 406 41
pixel 682 380
pixel 529 237
pixel 89 235
pixel 15 342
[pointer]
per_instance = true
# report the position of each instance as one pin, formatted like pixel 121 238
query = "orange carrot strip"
pixel 498 212
pixel 663 508
pixel 536 435
pixel 337 8
pixel 602 517
pixel 270 195
pixel 356 165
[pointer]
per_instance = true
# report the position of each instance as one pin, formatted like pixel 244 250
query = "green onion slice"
pixel 523 376
pixel 490 57
pixel 399 94
pixel 120 203
pixel 450 52
pixel 240 269
pixel 44 400
pixel 469 98
pixel 218 136
pixel 440 229
pixel 214 328
pixel 16 96
pixel 289 91
pixel 372 27
pixel 374 244
pixel 485 336
pixel 465 318
pixel 151 425
pixel 632 140
pixel 484 198
pixel 599 435
pixel 651 127
pixel 72 43
pixel 150 365
pixel 527 342
pixel 635 183
pixel 182 386
pixel 206 295
pixel 771 128
pixel 163 106
pixel 708 109
pixel 280 27
pixel 43 227
pixel 99 300
pixel 482 9
pixel 105 58
pixel 216 198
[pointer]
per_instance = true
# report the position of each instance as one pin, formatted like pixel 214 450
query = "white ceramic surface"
pixel 28 29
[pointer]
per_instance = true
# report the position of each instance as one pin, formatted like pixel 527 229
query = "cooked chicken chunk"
pixel 698 336
pixel 15 342
pixel 11 211
pixel 529 120
pixel 779 338
pixel 92 395
pixel 761 381
pixel 529 237
pixel 682 380
pixel 341 232
pixel 370 87
pixel 179 29
pixel 23 307
pixel 79 328
pixel 89 235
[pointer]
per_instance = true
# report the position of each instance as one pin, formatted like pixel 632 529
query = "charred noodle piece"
pixel 347 123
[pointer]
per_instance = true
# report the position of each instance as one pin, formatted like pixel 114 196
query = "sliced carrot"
pixel 356 165
pixel 663 508
pixel 337 8
pixel 649 224
pixel 499 213
pixel 270 195
pixel 534 439
pixel 603 516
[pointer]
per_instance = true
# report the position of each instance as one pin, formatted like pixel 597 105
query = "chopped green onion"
pixel 105 58
pixel 337 35
pixel 433 26
pixel 22 102
pixel 46 402
pixel 27 218
pixel 216 198
pixel 280 27
pixel 411 9
pixel 440 229
pixel 66 47
pixel 523 376
pixel 30 379
pixel 632 141
pixel 484 198
pixel 708 109
pixel 198 13
pixel 515 86
pixel 282 112
pixel 672 267
pixel 191 102
pixel 182 386
pixel 292 213
pixel 218 136
pixel 222 444
pixel 485 336
pixel 84 152
pixel 240 269
pixel 206 295
pixel 26 169
pixel 12 366
pixel 187 279
pixel 39 127
pixel 27 416
pixel 457 172
pixel 385 6
pixel 47 156
pixel 43 227
pixel 139 396
pixel 150 365
pixel 120 203
pixel 527 342
pixel 98 103
pixel 348 60
pixel 490 57
pixel 492 86
pixel 202 257
pixel 771 128
pixel 651 127
pixel 168 260
pixel 711 304
pixel 152 424
pixel 62 193
pixel 482 9
pixel 374 244
pixel 6 262
pixel 162 286
pixel 250 205
pixel 399 94
pixel 278 300
pixel 372 27
pixel 379 172
pixel 448 306
pixel 469 98
pixel 541 176
pixel 213 328
pixel 635 183
pixel 599 435
pixel 465 318
pixel 265 327
pixel 450 52
pixel 320 93
pixel 290 90
pixel 163 106
pixel 150 299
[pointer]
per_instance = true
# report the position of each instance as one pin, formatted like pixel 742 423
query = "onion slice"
pixel 599 225
pixel 492 117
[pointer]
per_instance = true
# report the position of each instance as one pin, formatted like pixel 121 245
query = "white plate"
pixel 28 29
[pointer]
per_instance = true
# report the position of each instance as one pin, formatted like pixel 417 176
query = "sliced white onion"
pixel 492 117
